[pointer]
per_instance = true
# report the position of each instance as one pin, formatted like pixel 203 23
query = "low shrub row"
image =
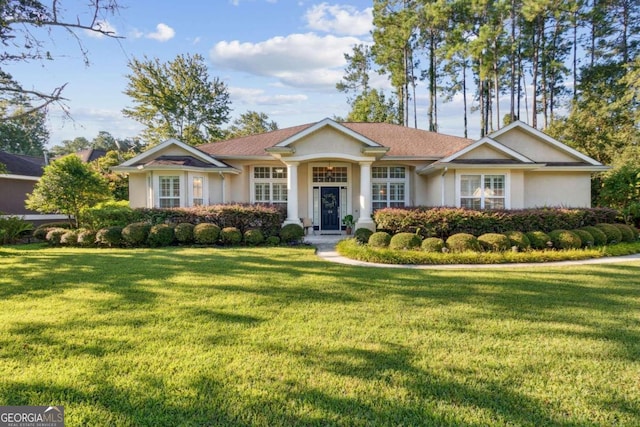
pixel 144 234
pixel 443 222
pixel 517 241
pixel 266 218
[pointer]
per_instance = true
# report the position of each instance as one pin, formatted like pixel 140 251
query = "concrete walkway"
pixel 326 249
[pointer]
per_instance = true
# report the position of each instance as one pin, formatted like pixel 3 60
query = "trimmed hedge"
pixel 405 241
pixel 379 239
pixel 362 235
pixel 253 237
pixel 206 234
pixel 627 233
pixel 462 242
pixel 70 238
pixel 565 239
pixel 611 231
pixel 54 235
pixel 265 218
pixel 230 236
pixel 161 235
pixel 432 244
pixel 518 239
pixel 291 233
pixel 538 239
pixel 586 238
pixel 86 238
pixel 184 232
pixel 599 238
pixel 109 236
pixel 136 234
pixel 494 242
pixel 443 222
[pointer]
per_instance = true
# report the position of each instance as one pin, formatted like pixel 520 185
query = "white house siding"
pixel 557 189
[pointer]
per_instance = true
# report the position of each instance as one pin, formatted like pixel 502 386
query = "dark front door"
pixel 329 208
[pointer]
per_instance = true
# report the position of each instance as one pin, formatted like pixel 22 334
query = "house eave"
pixel 20 177
pixel 142 168
pixel 435 167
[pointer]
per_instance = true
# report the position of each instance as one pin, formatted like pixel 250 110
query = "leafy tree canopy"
pixel 177 99
pixel 251 123
pixel 68 186
pixel 23 133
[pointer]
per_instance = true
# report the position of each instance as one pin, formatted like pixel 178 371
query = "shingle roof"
pixel 90 154
pixel 402 141
pixel 18 164
pixel 178 161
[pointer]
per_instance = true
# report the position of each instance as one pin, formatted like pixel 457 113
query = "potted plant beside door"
pixel 348 223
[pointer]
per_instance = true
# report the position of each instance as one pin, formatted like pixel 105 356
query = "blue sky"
pixel 279 57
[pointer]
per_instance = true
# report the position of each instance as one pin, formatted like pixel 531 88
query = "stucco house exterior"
pixel 323 171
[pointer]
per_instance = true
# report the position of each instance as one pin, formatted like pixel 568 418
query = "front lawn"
pixel 275 336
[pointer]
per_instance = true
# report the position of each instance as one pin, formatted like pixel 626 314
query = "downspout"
pixel 224 198
pixel 442 198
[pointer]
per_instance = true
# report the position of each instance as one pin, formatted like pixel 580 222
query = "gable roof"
pixel 193 158
pixel 401 141
pixel 494 144
pixel 19 164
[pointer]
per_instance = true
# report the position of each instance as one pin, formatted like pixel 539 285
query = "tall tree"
pixel 19 21
pixel 23 133
pixel 356 79
pixel 68 186
pixel 177 99
pixel 69 146
pixel 373 107
pixel 251 123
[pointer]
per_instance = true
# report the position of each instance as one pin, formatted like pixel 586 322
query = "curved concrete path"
pixel 326 249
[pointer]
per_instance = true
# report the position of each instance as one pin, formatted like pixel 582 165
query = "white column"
pixel 365 221
pixel 292 194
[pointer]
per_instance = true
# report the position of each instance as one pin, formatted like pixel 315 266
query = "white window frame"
pixel 205 189
pixel 158 190
pixel 271 184
pixel 388 183
pixel 482 194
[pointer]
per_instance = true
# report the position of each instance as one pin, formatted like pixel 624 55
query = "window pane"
pixel 470 203
pixel 494 185
pixel 396 192
pixel 262 193
pixel 261 172
pixel 397 172
pixel 197 187
pixel 279 192
pixel 470 185
pixel 378 172
pixel 379 192
pixel 494 203
pixel 279 172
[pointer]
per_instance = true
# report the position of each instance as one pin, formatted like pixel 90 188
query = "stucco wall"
pixel 532 147
pixel 555 189
pixel 327 141
pixel 138 190
pixel 484 152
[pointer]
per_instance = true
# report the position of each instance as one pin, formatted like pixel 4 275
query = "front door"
pixel 330 208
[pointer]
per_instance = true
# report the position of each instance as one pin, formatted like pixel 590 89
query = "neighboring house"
pixel 22 174
pixel 325 170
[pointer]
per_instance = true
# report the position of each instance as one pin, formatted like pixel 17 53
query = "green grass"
pixel 350 248
pixel 275 336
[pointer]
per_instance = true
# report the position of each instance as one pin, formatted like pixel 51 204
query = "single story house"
pixel 323 171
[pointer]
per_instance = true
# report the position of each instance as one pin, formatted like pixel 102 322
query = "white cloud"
pixel 162 34
pixel 299 60
pixel 250 96
pixel 101 26
pixel 340 19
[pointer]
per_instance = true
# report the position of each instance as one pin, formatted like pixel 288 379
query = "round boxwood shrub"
pixel 379 239
pixel 41 231
pixel 599 238
pixel 494 242
pixel 611 231
pixel 291 233
pixel 54 236
pixel 206 233
pixel 86 237
pixel 184 232
pixel 518 239
pixel 565 239
pixel 432 244
pixel 585 237
pixel 70 238
pixel 538 239
pixel 461 242
pixel 362 235
pixel 109 236
pixel 635 231
pixel 253 237
pixel 405 241
pixel 136 234
pixel 230 236
pixel 273 241
pixel 161 235
pixel 627 233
